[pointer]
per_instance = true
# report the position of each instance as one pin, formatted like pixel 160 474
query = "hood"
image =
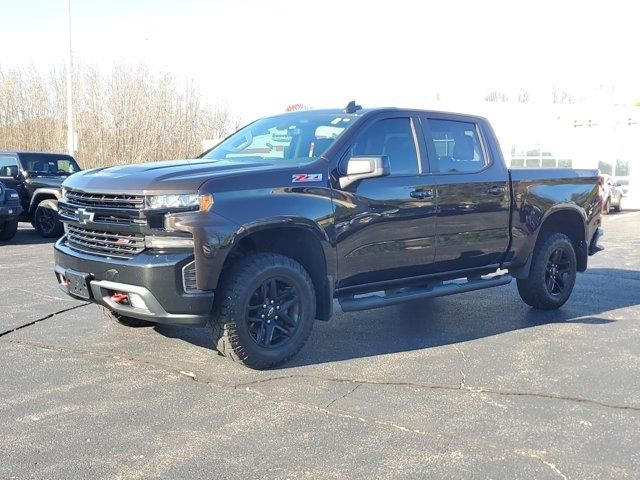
pixel 175 176
pixel 46 182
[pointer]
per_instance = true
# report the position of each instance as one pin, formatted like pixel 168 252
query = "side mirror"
pixel 360 167
pixel 12 171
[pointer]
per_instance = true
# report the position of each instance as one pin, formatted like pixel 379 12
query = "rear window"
pixel 457 145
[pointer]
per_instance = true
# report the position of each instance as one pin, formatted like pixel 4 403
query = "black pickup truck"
pixel 37 177
pixel 259 235
pixel 10 210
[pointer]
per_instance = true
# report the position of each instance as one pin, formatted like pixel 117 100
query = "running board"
pixel 352 304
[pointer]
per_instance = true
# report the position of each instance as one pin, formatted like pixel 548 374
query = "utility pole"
pixel 70 132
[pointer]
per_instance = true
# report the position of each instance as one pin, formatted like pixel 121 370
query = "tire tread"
pixel 223 329
pixel 532 290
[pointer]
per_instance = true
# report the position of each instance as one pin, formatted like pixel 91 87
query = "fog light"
pixel 136 301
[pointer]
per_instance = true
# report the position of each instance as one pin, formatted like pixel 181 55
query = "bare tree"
pixel 523 96
pixel 561 96
pixel 296 106
pixel 128 115
pixel 496 96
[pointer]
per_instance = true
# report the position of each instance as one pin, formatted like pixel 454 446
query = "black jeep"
pixel 37 177
pixel 10 209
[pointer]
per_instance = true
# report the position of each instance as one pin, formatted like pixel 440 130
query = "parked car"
pixel 372 207
pixel 623 184
pixel 611 193
pixel 10 210
pixel 37 177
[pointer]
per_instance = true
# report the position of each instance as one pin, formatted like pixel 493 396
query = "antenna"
pixel 352 107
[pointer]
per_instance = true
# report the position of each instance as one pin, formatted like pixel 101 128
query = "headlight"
pixel 191 201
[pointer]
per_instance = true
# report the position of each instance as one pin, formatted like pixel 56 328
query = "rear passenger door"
pixel 385 227
pixel 473 193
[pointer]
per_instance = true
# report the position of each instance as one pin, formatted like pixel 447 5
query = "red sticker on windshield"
pixel 306 177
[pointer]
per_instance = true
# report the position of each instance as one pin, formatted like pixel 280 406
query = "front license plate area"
pixel 78 284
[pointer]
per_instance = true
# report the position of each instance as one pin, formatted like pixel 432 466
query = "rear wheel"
pixel 552 275
pixel 8 230
pixel 264 311
pixel 46 219
pixel 124 320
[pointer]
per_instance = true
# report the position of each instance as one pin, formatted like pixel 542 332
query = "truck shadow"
pixel 27 235
pixel 449 320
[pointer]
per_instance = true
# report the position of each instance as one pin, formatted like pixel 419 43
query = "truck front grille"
pixel 108 200
pixel 68 212
pixel 108 244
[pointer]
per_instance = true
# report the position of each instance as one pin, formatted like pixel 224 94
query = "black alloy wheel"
pixel 263 311
pixel 557 272
pixel 552 275
pixel 273 313
pixel 46 219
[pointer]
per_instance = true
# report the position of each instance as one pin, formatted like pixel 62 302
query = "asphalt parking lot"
pixel 471 386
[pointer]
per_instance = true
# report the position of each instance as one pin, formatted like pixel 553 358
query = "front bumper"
pixel 156 278
pixel 9 212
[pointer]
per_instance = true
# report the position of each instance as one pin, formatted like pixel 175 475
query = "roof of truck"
pixel 363 111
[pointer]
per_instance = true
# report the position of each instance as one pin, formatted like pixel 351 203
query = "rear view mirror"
pixel 360 167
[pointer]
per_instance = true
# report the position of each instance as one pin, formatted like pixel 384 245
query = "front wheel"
pixel 8 230
pixel 264 311
pixel 552 275
pixel 46 219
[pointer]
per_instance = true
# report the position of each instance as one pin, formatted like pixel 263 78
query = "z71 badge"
pixel 306 177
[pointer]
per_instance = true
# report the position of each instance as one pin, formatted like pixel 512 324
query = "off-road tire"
pixel 607 207
pixel 124 320
pixel 45 219
pixel 229 320
pixel 534 290
pixel 8 230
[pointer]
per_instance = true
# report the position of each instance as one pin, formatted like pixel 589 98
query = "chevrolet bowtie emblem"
pixel 83 216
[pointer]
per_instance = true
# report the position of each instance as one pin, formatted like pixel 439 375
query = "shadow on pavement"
pixel 27 235
pixel 443 321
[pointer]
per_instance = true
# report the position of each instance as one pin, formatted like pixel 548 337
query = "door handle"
pixel 422 194
pixel 495 190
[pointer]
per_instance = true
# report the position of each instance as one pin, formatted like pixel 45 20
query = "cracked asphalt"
pixel 470 386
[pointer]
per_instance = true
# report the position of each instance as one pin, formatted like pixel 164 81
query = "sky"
pixel 257 57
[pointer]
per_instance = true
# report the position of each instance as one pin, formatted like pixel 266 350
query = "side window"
pixel 8 166
pixel 392 137
pixel 457 146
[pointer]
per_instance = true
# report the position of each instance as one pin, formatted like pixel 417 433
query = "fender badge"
pixel 306 177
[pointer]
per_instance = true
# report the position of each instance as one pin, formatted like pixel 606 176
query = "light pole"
pixel 70 135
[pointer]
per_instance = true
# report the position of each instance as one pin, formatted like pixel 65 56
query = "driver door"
pixel 386 226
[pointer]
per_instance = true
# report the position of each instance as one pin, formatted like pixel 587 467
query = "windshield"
pixel 298 138
pixel 49 165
